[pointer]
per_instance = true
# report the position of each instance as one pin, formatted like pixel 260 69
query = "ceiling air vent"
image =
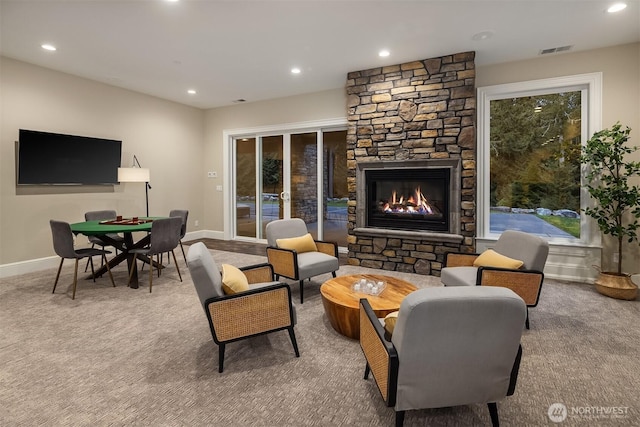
pixel 555 50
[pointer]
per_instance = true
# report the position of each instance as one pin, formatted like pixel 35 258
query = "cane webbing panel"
pixel 249 315
pixel 460 260
pixel 326 247
pixel 258 274
pixel 526 284
pixel 376 354
pixel 283 262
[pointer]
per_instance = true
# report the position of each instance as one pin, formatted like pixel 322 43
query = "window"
pixel 529 171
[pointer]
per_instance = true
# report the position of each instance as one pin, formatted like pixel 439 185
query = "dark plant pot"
pixel 616 285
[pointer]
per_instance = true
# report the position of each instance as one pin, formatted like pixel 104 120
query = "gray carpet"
pixel 119 356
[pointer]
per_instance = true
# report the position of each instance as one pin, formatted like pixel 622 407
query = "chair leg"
pixel 87 265
pixel 399 418
pixel 301 292
pixel 493 412
pixel 220 357
pixel 176 263
pixel 292 336
pixel 75 278
pixel 104 260
pixel 93 271
pixel 57 276
pixel 367 370
pixel 526 322
pixel 151 272
pixel 183 255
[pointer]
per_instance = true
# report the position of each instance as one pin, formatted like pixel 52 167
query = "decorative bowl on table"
pixel 368 287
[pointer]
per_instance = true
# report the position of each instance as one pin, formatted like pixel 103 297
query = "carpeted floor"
pixel 119 356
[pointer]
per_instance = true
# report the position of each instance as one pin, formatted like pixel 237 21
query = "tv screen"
pixel 57 159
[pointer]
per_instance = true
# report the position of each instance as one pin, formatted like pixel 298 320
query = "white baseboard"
pixel 31 265
pixel 28 266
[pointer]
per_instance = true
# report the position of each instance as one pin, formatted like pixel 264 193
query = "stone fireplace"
pixel 411 163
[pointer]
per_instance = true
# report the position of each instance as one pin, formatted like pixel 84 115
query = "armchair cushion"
pixel 311 264
pixel 390 321
pixel 459 276
pixel 233 280
pixel 300 244
pixel 491 258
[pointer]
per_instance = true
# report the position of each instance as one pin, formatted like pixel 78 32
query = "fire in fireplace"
pixel 414 204
pixel 409 199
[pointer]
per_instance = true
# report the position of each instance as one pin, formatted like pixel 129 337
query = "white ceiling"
pixel 227 50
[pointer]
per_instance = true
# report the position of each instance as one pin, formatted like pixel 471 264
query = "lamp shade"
pixel 133 175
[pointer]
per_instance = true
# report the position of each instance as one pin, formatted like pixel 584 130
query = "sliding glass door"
pixel 290 175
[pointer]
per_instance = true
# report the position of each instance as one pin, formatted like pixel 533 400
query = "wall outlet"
pixel 614 258
pixel 218 187
pixel 212 174
pixel 196 223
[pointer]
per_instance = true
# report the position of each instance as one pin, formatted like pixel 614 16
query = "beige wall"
pixel 165 136
pixel 179 144
pixel 303 108
pixel 620 67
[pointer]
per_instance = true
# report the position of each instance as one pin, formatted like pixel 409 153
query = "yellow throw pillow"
pixel 233 280
pixel 491 258
pixel 299 244
pixel 390 322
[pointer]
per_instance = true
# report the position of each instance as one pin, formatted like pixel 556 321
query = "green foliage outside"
pixel 570 225
pixel 535 149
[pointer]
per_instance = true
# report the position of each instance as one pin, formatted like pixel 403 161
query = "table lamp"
pixel 136 173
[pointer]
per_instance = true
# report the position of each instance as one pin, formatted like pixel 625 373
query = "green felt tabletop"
pixel 94 228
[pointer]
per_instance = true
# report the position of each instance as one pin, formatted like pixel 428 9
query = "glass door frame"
pixel 229 137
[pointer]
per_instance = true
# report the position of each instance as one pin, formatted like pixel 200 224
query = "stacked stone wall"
pixel 413 111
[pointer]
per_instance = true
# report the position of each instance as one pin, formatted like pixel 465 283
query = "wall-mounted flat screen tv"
pixel 56 159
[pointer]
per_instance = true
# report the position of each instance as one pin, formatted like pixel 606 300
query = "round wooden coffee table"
pixel 342 305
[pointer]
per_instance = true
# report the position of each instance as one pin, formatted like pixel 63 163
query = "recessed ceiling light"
pixel 483 35
pixel 191 91
pixel 48 47
pixel 384 53
pixel 617 7
pixel 296 70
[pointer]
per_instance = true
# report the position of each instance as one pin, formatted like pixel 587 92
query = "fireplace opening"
pixel 408 199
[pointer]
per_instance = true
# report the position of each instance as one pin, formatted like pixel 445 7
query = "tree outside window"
pixel 535 144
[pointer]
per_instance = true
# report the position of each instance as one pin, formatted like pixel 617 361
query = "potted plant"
pixel 617 207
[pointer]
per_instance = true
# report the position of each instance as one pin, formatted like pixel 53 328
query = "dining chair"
pixel 96 240
pixel 63 246
pixel 165 237
pixel 184 215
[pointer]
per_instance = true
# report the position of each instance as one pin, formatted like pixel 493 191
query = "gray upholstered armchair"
pixel 526 280
pixel 295 255
pixel 265 307
pixel 450 347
